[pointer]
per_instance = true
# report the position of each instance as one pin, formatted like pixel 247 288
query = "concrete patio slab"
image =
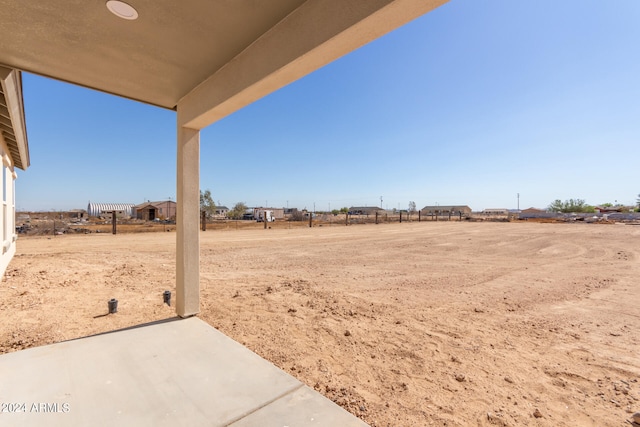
pixel 178 373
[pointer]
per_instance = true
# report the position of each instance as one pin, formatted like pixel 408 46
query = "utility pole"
pixel 518 201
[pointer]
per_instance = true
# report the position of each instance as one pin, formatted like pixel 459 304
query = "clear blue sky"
pixel 470 104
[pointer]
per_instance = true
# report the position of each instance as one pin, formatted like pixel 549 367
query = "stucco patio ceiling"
pixel 211 51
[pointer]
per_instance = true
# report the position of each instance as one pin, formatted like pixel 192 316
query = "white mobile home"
pixel 261 214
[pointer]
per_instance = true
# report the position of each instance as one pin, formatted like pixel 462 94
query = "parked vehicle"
pixel 265 215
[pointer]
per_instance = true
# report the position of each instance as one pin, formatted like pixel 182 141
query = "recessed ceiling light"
pixel 122 10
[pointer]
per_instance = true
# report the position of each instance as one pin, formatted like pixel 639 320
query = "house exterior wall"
pixel 8 209
pixel 145 214
pixel 165 210
pixel 278 213
pixel 155 210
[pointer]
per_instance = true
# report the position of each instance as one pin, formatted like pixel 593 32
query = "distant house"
pixel 14 150
pixel 364 210
pixel 221 211
pixel 496 211
pixel 151 211
pixel 446 210
pixel 609 209
pixel 122 210
pixel 532 211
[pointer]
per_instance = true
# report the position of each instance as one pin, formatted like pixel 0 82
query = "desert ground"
pixel 412 324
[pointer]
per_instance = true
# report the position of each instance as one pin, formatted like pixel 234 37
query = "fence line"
pixel 46 225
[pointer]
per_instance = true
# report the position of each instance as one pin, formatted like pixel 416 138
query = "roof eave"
pixel 12 117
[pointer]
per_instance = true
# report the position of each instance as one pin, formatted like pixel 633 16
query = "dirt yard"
pixel 413 324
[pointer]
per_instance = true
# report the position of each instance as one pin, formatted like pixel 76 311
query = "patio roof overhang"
pixel 210 56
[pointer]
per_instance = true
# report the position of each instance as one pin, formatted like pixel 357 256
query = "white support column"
pixel 188 220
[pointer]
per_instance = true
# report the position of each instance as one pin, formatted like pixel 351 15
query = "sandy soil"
pixel 407 324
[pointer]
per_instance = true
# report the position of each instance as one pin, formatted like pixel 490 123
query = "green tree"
pixel 556 206
pixel 238 210
pixel 207 204
pixel 570 206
